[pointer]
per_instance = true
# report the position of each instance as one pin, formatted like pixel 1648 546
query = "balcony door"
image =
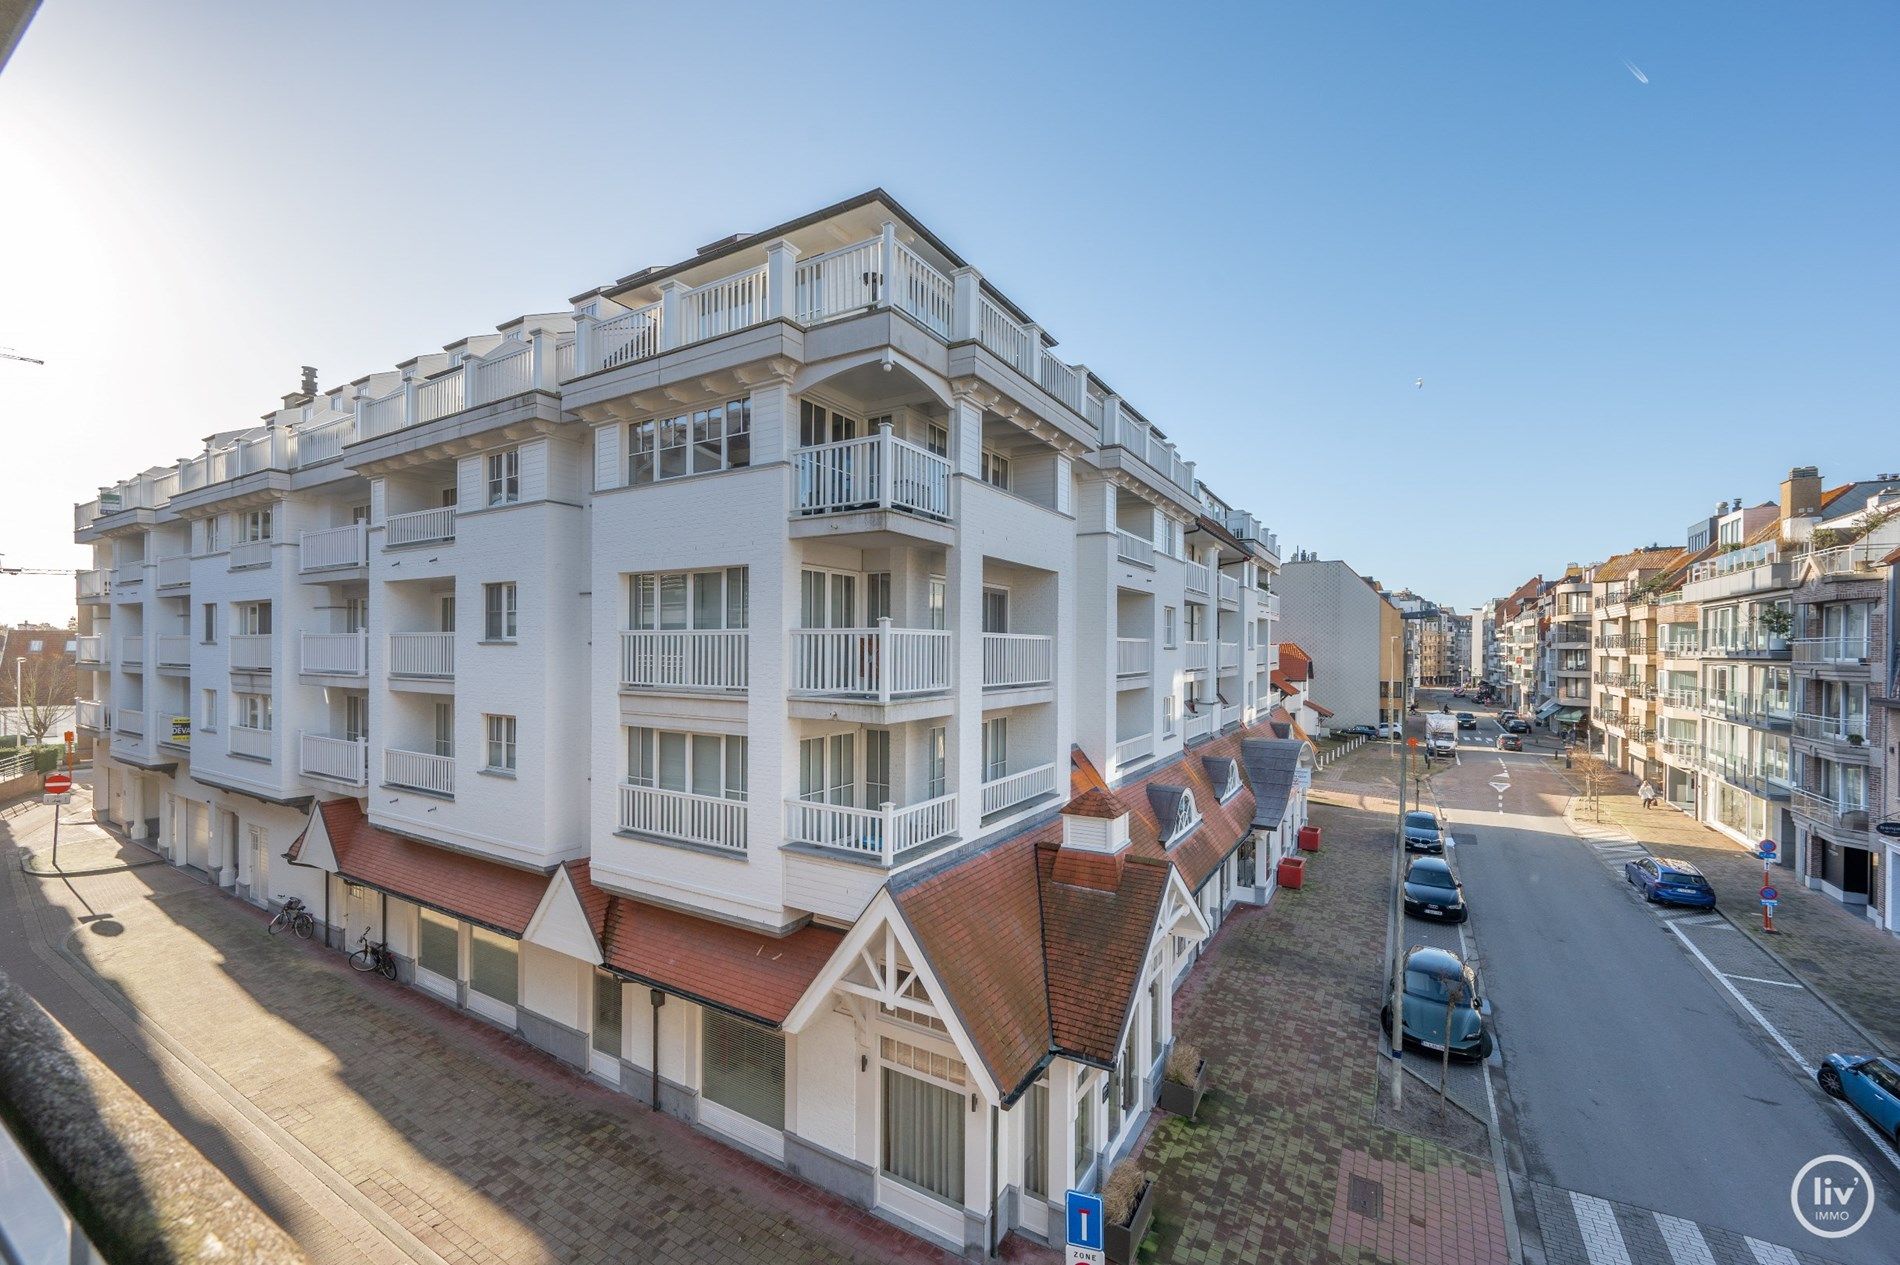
pixel 827 769
pixel 827 599
pixel 820 425
pixel 996 610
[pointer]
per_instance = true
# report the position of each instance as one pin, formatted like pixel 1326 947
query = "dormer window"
pixel 1224 772
pixel 1186 817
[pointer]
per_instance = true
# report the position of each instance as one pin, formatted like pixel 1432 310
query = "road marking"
pixel 1602 1239
pixel 1879 1142
pixel 1770 1253
pixel 1756 979
pixel 1685 1243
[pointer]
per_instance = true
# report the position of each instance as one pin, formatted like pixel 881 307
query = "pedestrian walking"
pixel 1648 792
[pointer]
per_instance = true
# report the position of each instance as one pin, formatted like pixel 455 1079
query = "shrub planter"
pixel 1183 1100
pixel 1122 1242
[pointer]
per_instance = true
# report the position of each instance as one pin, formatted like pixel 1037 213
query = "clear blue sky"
pixel 1262 223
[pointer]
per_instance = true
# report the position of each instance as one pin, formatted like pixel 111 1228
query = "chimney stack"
pixel 1801 493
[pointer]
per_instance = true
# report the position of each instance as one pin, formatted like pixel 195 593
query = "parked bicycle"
pixel 373 957
pixel 294 916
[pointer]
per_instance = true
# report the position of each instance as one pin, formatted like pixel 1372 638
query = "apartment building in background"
pixel 1326 604
pixel 1624 655
pixel 776 683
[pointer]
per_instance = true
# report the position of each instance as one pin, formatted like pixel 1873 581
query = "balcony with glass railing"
pixel 1752 642
pixel 1841 651
pixel 880 664
pixel 881 835
pixel 1845 733
pixel 1830 809
pixel 1861 560
pixel 717 659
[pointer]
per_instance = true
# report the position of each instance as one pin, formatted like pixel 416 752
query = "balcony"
pixel 129 573
pixel 1745 709
pixel 325 440
pixel 1828 811
pixel 174 572
pixel 1012 660
pixel 419 771
pixel 344 760
pixel 419 527
pixel 1195 656
pixel 129 721
pixel 1837 650
pixel 1132 548
pixel 90 714
pixel 426 655
pixel 132 651
pixel 90 650
pixel 1682 696
pixel 709 820
pixel 251 652
pixel 516 366
pixel 1199 578
pixel 876 472
pixel 696 659
pixel 1846 734
pixel 174 650
pixel 246 554
pixel 332 549
pixel 1744 643
pixel 871 664
pixel 1229 656
pixel 251 744
pixel 1861 561
pixel 1012 789
pixel 1199 725
pixel 1230 592
pixel 1134 656
pixel 335 654
pixel 879 834
pixel 1132 751
pixel 93 586
pixel 1680 645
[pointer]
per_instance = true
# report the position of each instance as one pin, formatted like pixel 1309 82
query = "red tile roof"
pixel 1281 684
pixel 497 896
pixel 1295 662
pixel 1318 708
pixel 746 972
pixel 1096 943
pixel 1094 802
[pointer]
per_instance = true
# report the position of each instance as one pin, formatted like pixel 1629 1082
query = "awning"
pixel 1570 715
pixel 1544 712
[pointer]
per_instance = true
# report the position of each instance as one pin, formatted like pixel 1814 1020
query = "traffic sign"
pixel 57 784
pixel 1769 895
pixel 1085 1221
pixel 1768 847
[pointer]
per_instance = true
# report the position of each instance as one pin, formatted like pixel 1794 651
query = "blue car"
pixel 1441 1000
pixel 1671 882
pixel 1873 1085
pixel 1422 833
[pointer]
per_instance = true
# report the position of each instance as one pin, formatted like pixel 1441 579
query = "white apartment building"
pixel 1342 618
pixel 693 680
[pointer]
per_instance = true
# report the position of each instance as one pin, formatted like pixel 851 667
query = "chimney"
pixel 306 390
pixel 1801 493
pixel 1094 821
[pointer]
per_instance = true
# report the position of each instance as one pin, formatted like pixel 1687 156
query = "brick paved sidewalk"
pixel 1285 1010
pixel 1837 953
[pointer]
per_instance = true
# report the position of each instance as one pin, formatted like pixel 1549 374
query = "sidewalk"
pixel 1285 1161
pixel 1836 953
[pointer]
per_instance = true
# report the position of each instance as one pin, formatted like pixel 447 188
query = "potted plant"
pixel 1777 622
pixel 1183 1081
pixel 1856 739
pixel 1128 1198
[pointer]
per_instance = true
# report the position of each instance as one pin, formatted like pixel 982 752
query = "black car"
pixel 1467 721
pixel 1510 742
pixel 1433 891
pixel 1517 725
pixel 1363 731
pixel 1422 832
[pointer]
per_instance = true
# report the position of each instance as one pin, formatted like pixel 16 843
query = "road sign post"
pixel 56 785
pixel 1084 1238
pixel 1768 893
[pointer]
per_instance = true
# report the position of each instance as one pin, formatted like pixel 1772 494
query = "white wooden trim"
pixel 742 1129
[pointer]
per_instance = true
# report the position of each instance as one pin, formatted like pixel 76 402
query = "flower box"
pixel 1122 1242
pixel 1183 1100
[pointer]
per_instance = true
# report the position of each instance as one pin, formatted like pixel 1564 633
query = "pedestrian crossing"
pixel 1581 1229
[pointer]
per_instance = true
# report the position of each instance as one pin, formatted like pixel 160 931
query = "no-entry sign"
pixel 58 784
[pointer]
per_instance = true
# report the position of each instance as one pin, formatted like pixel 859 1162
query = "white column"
pixel 887 262
pixel 671 309
pixel 584 343
pixel 966 289
pixel 781 279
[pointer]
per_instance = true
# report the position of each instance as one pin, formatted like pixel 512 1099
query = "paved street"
pixel 1635 1082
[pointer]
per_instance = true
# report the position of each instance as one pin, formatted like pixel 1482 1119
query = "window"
pixel 718 437
pixel 680 599
pixel 939 603
pixel 355 614
pixel 1036 1140
pixel 355 716
pixel 1186 817
pixel 820 425
pixel 253 619
pixel 498 611
pixel 995 748
pixel 208 710
pixel 255 525
pixel 438 947
pixel 501 743
pixel 35 646
pixel 934 762
pixel 1167 627
pixel 742 1067
pixel 924 1113
pixel 492 967
pixel 209 624
pixel 445 729
pixel 1195 615
pixel 1167 715
pixel 253 711
pixel 504 477
pixel 1157 1015
pixel 1084 1129
pixel 877 767
pixel 877 597
pixel 214 534
pixel 937 440
pixel 607 1028
pixel 996 469
pixel 995 610
pixel 445 613
pixel 701 764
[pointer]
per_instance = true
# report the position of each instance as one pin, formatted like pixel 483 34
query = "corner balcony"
pixel 685 659
pixel 1849 562
pixel 419 771
pixel 1006 792
pixel 880 834
pixel 174 572
pixel 419 527
pixel 1016 660
pixel 90 714
pixel 877 472
pixel 1851 652
pixel 344 760
pixel 880 665
pixel 90 651
pixel 710 821
pixel 1134 661
pixel 252 652
pixel 334 654
pixel 333 549
pixel 428 656
pixel 1832 813
pixel 1844 736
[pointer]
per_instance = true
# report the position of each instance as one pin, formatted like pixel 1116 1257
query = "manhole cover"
pixel 1365 1197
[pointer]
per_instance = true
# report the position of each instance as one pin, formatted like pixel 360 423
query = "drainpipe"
pixel 659 999
pixel 326 912
pixel 994 1196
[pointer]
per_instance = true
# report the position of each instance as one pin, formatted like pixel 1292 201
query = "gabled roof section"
pixel 1279 682
pixel 1271 764
pixel 1165 802
pixel 1295 662
pixel 1096 943
pixel 1324 712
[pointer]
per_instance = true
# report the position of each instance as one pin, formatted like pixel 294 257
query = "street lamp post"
pixel 19 662
pixel 1397 924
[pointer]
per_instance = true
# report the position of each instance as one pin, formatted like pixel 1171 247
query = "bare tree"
pixel 48 685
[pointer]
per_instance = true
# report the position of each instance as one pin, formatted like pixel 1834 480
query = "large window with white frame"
pixel 716 599
pixel 499 611
pixel 253 618
pixel 742 1067
pixel 923 1118
pixel 255 524
pixel 820 424
pixel 699 764
pixel 251 711
pixel 717 437
pixel 500 743
pixel 995 469
pixel 827 769
pixel 504 477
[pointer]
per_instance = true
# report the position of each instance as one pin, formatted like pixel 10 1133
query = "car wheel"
pixel 1385 1020
pixel 1830 1082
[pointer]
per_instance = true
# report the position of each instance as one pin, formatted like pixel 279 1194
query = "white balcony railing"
pixel 174 572
pixel 1011 659
pixel 132 650
pixel 343 760
pixel 1194 656
pixel 90 649
pixel 422 654
pixel 876 472
pixel 420 527
pixel 335 654
pixel 251 743
pixel 1836 649
pixel 93 584
pixel 1229 591
pixel 1229 656
pixel 1132 548
pixel 419 771
pixel 249 553
pixel 1134 656
pixel 1199 577
pixel 1849 559
pixel 174 650
pixel 1131 750
pixel 129 721
pixel 89 714
pixel 879 663
pixel 1199 725
pixel 321 443
pixel 128 573
pixel 686 659
pixel 705 819
pixel 251 652
pixel 1018 788
pixel 333 548
pixel 881 833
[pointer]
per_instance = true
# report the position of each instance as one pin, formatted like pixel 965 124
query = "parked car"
pixel 1870 1084
pixel 1363 731
pixel 1517 725
pixel 1433 891
pixel 1510 742
pixel 1467 721
pixel 1670 882
pixel 1431 1006
pixel 1422 832
pixel 1388 730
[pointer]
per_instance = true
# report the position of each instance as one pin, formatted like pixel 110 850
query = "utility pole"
pixel 1398 910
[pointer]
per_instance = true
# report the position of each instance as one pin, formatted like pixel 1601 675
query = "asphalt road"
pixel 1629 1073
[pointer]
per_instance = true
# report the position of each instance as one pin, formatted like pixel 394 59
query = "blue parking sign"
pixel 1085 1220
